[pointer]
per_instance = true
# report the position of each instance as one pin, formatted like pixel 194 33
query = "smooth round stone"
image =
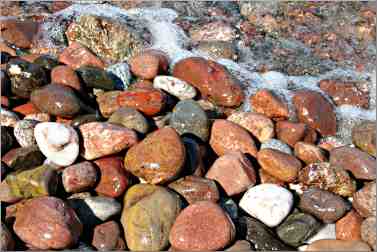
pixel 364 200
pixel 54 225
pixel 364 137
pixel 276 145
pixel 158 158
pixel 202 226
pixel 297 228
pixel 107 236
pixel 24 132
pixel 337 245
pixel 58 142
pixel 324 205
pixel 268 203
pixel 174 86
pixel 268 103
pixel 189 118
pixel 6 139
pixel 130 118
pixel 95 77
pixel 79 177
pixel 64 75
pixel 121 74
pixel 6 240
pixel 194 188
pixel 103 207
pixel 8 118
pixel 148 215
pixel 349 227
pixel 23 158
pixel 309 153
pixel 368 231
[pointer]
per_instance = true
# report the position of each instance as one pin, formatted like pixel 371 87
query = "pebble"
pixel 211 79
pixel 227 136
pixel 26 109
pixel 276 144
pixel 121 74
pixel 6 194
pixel 17 32
pixel 234 172
pixel 6 241
pixel 148 64
pixel 348 228
pixel 6 139
pixel 102 139
pixel 194 189
pixel 213 31
pixel 40 117
pixel 79 177
pixel 103 207
pixel 269 104
pixel 283 166
pixel 23 158
pixel 107 236
pixel 95 77
pixel 290 132
pixel 266 178
pixel 54 226
pixel 240 245
pixel 8 118
pixel 58 142
pixel 202 226
pixel 314 110
pixel 309 153
pixel 368 231
pixel 337 245
pixel 158 158
pixel 24 132
pixel 218 49
pixel 130 118
pixel 364 137
pixel 326 231
pixel 364 200
pixel 64 75
pixel 174 86
pixel 146 224
pixel 269 203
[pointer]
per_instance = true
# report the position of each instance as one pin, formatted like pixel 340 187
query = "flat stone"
pixel 309 153
pixel 64 75
pixel 107 236
pixel 348 228
pixel 130 118
pixel 103 207
pixel 368 231
pixel 79 177
pixel 23 158
pixel 364 200
pixel 267 103
pixel 24 132
pixel 364 137
pixel 338 245
pixel 174 86
pixel 77 55
pixel 276 144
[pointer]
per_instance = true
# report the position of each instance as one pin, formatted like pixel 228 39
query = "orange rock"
pixel 19 33
pixel 66 76
pixel 26 109
pixel 77 56
pixel 149 64
pixel 265 102
pixel 348 228
pixel 290 132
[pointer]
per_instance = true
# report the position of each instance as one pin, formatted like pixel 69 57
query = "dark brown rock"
pixel 107 236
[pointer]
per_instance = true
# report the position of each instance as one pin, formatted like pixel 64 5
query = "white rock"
pixel 327 231
pixel 121 71
pixel 58 142
pixel 8 118
pixel 24 132
pixel 174 86
pixel 269 203
pixel 276 145
pixel 103 207
pixel 275 80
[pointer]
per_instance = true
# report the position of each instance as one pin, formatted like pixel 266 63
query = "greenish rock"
pixel 130 118
pixel 230 207
pixel 23 158
pixel 96 78
pixel 82 119
pixel 39 181
pixel 46 62
pixel 6 140
pixel 148 214
pixel 189 118
pixel 297 228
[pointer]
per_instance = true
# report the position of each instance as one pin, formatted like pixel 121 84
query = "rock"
pixel 240 245
pixel 338 245
pixel 95 77
pixel 297 228
pixel 101 139
pixel 6 140
pixel 218 49
pixel 258 125
pixel 8 118
pixel 213 31
pixel 149 64
pixel 17 32
pixel 130 118
pixel 266 178
pixel 194 189
pixel 314 110
pixel 326 231
pixel 276 145
pixel 364 200
pixel 174 86
pixel 234 172
pixel 368 231
pixel 66 76
pixel 76 56
pixel 158 158
pixel 230 207
pixel 290 132
pixel 58 142
pixel 227 136
pixel 26 109
pixel 349 93
pixel 56 100
pixel 327 177
pixel 6 194
pixel 268 203
pixel 364 137
pixel 23 158
pixel 348 228
pixel 121 74
pixel 114 179
pixel 54 226
pixel 5 82
pixel 267 103
pixel 212 79
pixel 359 163
pixel 103 207
pixel 194 164
pixel 79 177
pixel 6 240
pixel 40 117
pixel 147 225
pixel 283 166
pixel 189 118
pixel 83 119
pixel 46 61
pixel 107 236
pixel 202 226
pixel 309 153
pixel 324 205
pixel 24 132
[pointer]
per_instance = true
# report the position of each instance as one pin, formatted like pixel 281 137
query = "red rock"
pixel 364 200
pixel 65 75
pixel 212 79
pixel 77 56
pixel 227 136
pixel 107 236
pixel 26 109
pixel 53 224
pixel 314 110
pixel 234 172
pixel 6 194
pixel 114 179
pixel 202 226
pixel 149 64
pixel 346 92
pixel 290 132
pixel 19 33
pixel 60 5
pixel 79 177
pixel 267 103
pixel 102 139
pixel 309 153
pixel 348 228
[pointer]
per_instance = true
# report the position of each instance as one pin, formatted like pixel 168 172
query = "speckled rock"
pixel 130 118
pixel 364 200
pixel 218 49
pixel 95 77
pixel 213 31
pixel 349 227
pixel 149 64
pixel 23 158
pixel 6 240
pixel 65 75
pixel 269 203
pixel 121 74
pixel 79 177
pixel 8 118
pixel 269 104
pixel 107 236
pixel 24 132
pixel 103 207
pixel 174 86
pixel 309 153
pixel 368 231
pixel 158 158
pixel 276 145
pixel 338 245
pixel 364 137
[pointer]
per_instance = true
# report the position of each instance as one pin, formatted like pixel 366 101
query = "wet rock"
pixel 101 139
pixel 114 179
pixel 348 228
pixel 19 33
pixel 95 77
pixel 76 56
pixel 130 118
pixel 121 74
pixel 8 118
pixel 268 203
pixel 324 205
pixel 227 136
pixel 267 103
pixel 258 125
pixel 54 226
pixel 26 109
pixel 66 76
pixel 194 189
pixel 6 240
pixel 368 231
pixel 146 224
pixel 234 172
pixel 6 140
pixel 338 245
pixel 359 163
pixel 189 118
pixel 230 207
pixel 58 142
pixel 240 245
pixel 194 164
pixel 290 132
pixel 79 177
pixel 266 178
pixel 309 153
pixel 83 119
pixel 174 86
pixel 218 49
pixel 364 200
pixel 212 79
pixel 314 110
pixel 202 226
pixel 149 64
pixel 103 207
pixel 24 132
pixel 23 158
pixel 107 236
pixel 364 137
pixel 213 31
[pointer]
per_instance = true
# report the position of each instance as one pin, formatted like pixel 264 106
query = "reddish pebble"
pixel 309 153
pixel 149 64
pixel 65 75
pixel 349 227
pixel 77 56
pixel 364 200
pixel 26 109
pixel 267 103
pixel 290 132
pixel 79 177
pixel 19 33
pixel 107 236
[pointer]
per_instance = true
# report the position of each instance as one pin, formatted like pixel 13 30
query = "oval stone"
pixel 79 177
pixel 364 137
pixel 107 236
pixel 130 118
pixel 174 86
pixel 349 227
pixel 309 153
